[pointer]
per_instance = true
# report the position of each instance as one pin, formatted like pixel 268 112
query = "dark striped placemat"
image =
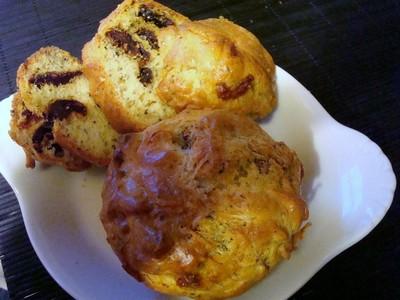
pixel 345 52
pixel 26 278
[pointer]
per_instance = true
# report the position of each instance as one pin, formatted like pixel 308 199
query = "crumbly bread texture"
pixel 147 62
pixel 203 205
pixel 34 135
pixel 122 62
pixel 52 86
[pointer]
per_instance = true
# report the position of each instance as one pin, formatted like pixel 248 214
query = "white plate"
pixel 349 186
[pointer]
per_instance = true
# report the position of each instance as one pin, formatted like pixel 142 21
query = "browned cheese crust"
pixel 203 205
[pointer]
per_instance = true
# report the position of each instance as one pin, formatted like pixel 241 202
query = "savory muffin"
pixel 147 62
pixel 203 205
pixel 52 88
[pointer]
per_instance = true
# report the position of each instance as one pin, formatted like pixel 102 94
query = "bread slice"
pixel 123 60
pixel 146 63
pixel 33 133
pixel 52 86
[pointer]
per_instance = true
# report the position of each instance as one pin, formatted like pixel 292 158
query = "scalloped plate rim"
pixel 320 113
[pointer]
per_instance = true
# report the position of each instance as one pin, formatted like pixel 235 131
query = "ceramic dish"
pixel 349 185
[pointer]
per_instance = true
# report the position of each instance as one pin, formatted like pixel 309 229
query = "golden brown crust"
pixel 208 60
pixel 202 64
pixel 203 204
pixel 22 131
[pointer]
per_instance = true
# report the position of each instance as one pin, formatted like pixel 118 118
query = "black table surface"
pixel 347 53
